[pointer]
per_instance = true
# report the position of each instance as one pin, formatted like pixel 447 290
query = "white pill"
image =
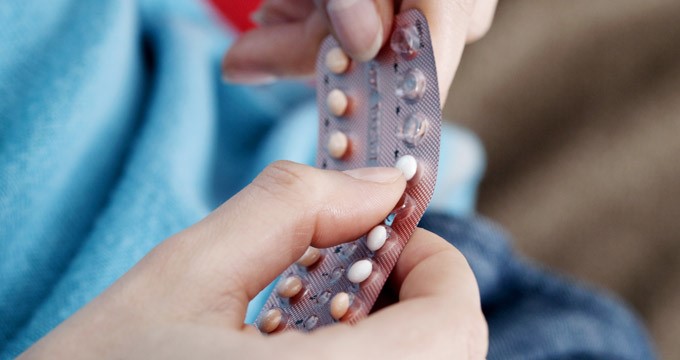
pixel 337 144
pixel 337 102
pixel 337 61
pixel 360 271
pixel 376 238
pixel 408 165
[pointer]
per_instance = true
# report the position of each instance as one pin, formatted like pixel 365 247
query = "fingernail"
pixel 382 175
pixel 248 77
pixel 257 17
pixel 357 26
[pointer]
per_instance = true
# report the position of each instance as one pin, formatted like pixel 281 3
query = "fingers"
pixel 413 266
pixel 273 12
pixel 449 22
pixel 482 17
pixel 360 26
pixel 253 237
pixel 284 45
pixel 291 32
pixel 439 313
pixel 287 42
pixel 282 49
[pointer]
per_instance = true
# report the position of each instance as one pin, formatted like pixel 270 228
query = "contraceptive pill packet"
pixel 384 112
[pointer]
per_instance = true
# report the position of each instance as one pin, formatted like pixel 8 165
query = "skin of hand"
pixel 291 31
pixel 187 298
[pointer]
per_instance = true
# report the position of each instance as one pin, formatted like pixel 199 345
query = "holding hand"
pixel 291 31
pixel 188 297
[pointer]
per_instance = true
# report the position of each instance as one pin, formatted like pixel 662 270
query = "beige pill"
pixel 338 143
pixel 339 305
pixel 337 61
pixel 289 287
pixel 337 102
pixel 270 321
pixel 310 257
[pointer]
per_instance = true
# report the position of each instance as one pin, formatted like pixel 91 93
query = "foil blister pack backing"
pixel 385 112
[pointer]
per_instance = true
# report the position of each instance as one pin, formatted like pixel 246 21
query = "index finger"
pixel 232 254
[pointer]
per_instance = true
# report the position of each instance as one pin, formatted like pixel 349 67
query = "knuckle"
pixel 466 7
pixel 286 181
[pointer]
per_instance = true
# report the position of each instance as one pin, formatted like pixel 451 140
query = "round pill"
pixel 339 305
pixel 360 271
pixel 411 85
pixel 376 238
pixel 337 61
pixel 337 102
pixel 406 41
pixel 310 257
pixel 289 287
pixel 413 129
pixel 337 144
pixel 270 321
pixel 408 165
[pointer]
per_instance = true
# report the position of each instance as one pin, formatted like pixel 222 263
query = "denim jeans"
pixel 532 313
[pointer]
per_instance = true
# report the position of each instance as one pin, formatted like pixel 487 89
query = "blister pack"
pixel 384 112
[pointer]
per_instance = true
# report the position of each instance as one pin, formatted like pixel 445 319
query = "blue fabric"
pixel 116 132
pixel 533 314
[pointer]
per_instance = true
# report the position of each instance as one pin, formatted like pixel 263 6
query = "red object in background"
pixel 237 12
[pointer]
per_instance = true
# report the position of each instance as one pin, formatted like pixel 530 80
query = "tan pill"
pixel 289 287
pixel 337 102
pixel 340 305
pixel 337 61
pixel 338 143
pixel 270 321
pixel 310 257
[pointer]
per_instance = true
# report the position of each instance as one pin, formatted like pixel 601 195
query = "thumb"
pixel 361 26
pixel 449 23
pixel 241 247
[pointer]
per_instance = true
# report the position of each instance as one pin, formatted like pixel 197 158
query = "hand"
pixel 187 298
pixel 291 32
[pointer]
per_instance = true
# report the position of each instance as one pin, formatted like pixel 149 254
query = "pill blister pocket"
pixel 384 112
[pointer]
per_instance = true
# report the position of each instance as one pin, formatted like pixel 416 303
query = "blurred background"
pixel 578 105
